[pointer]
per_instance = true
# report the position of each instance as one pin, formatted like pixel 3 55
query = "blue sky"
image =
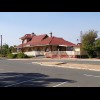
pixel 67 25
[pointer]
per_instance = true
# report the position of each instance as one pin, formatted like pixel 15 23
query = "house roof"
pixel 27 36
pixel 56 41
pixel 20 46
pixel 44 39
pixel 36 40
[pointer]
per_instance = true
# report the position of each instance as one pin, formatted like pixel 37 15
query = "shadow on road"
pixel 29 80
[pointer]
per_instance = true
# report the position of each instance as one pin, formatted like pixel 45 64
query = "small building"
pixel 48 46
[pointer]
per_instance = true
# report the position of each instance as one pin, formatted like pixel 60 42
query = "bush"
pixel 82 56
pixel 22 55
pixel 0 55
pixel 31 56
pixel 11 55
pixel 19 55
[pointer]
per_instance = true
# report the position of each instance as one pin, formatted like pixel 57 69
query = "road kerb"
pixel 91 69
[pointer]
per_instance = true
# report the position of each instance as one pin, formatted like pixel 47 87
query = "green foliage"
pixel 7 50
pixel 11 55
pixel 12 49
pixel 0 55
pixel 19 55
pixel 88 42
pixel 22 55
pixel 82 56
pixel 5 46
pixel 90 53
pixel 30 56
pixel 97 46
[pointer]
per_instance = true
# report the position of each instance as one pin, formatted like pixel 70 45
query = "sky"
pixel 66 25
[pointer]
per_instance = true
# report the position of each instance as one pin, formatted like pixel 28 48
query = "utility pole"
pixel 1 45
pixel 80 43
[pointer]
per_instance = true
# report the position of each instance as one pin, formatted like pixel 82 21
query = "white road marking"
pixel 91 75
pixel 60 84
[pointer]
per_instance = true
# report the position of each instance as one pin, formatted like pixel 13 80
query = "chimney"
pixel 51 34
pixel 33 34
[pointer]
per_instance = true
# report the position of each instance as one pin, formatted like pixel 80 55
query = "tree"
pixel 97 46
pixel 5 49
pixel 13 49
pixel 88 42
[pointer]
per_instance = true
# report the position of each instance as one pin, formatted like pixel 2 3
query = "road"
pixel 26 74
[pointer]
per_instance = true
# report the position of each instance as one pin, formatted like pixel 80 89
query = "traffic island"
pixel 71 65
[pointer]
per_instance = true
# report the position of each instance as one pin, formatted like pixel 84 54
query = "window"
pixel 30 49
pixel 47 49
pixel 69 48
pixel 38 49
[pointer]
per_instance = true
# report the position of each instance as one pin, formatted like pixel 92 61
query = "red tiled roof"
pixel 45 40
pixel 27 36
pixel 56 41
pixel 20 46
pixel 36 40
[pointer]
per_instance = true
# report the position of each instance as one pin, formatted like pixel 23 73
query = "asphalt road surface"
pixel 26 74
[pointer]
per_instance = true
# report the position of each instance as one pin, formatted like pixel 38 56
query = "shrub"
pixel 0 55
pixel 31 56
pixel 11 55
pixel 82 56
pixel 22 55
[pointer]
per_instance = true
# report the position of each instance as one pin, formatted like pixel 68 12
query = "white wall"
pixel 34 53
pixel 77 49
pixel 31 53
pixel 25 41
pixel 70 53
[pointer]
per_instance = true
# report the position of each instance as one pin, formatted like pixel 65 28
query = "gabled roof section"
pixel 46 41
pixel 27 36
pixel 36 40
pixel 56 41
